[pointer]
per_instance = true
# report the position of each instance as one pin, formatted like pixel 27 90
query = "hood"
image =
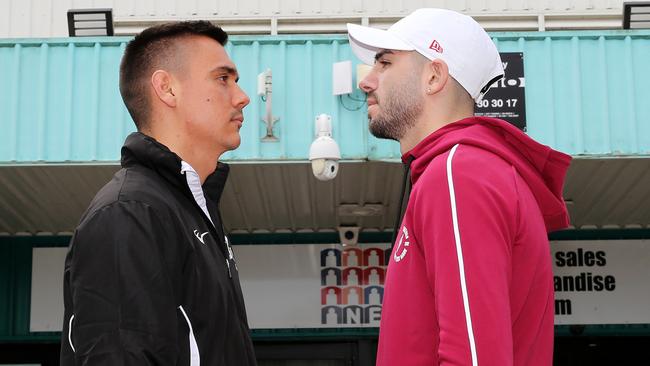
pixel 543 168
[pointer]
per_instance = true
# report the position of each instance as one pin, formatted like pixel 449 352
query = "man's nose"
pixel 369 83
pixel 240 99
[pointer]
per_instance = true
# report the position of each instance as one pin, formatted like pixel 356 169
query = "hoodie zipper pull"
pixel 228 265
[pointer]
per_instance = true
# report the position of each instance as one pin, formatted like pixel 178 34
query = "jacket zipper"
pixel 400 209
pixel 213 229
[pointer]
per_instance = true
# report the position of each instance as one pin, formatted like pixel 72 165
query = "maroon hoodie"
pixel 469 281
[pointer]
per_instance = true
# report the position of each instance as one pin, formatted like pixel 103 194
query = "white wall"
pixel 47 18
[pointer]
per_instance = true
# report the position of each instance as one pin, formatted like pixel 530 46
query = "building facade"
pixel 581 84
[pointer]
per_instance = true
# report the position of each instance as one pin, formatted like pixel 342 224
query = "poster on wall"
pixel 329 286
pixel 601 282
pixel 285 286
pixel 596 282
pixel 506 98
pixel 46 311
pixel 312 286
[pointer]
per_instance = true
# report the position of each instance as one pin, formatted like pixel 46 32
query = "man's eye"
pixel 383 63
pixel 222 78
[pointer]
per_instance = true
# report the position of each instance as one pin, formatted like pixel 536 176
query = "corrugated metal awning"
pixel 286 198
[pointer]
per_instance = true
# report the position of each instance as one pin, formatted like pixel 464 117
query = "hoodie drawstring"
pixel 400 209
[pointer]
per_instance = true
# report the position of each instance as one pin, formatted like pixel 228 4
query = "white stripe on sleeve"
pixel 70 333
pixel 195 359
pixel 459 255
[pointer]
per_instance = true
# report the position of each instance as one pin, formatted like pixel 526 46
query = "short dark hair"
pixel 150 49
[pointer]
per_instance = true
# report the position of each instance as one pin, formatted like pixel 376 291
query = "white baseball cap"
pixel 457 39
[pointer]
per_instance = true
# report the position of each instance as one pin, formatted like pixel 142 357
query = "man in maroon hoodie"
pixel 469 281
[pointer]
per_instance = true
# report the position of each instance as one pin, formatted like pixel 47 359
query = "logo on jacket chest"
pixel 402 245
pixel 199 235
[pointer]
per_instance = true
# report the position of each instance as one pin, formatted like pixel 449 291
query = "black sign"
pixel 505 99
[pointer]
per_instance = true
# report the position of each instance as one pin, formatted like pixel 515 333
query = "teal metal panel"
pixel 586 94
pixel 61 102
pixel 302 89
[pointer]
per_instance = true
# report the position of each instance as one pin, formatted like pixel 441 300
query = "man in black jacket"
pixel 150 278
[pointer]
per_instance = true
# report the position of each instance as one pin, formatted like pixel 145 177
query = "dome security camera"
pixel 349 235
pixel 324 152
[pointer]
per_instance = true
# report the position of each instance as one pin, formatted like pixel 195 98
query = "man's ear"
pixel 163 86
pixel 437 75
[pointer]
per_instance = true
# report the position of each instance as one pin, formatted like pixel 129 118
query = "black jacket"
pixel 149 280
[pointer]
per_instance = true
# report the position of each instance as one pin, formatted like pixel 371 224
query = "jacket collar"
pixel 140 149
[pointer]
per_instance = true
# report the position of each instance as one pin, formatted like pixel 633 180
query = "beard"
pixel 400 107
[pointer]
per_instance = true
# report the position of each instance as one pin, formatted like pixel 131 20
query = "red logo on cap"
pixel 436 46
